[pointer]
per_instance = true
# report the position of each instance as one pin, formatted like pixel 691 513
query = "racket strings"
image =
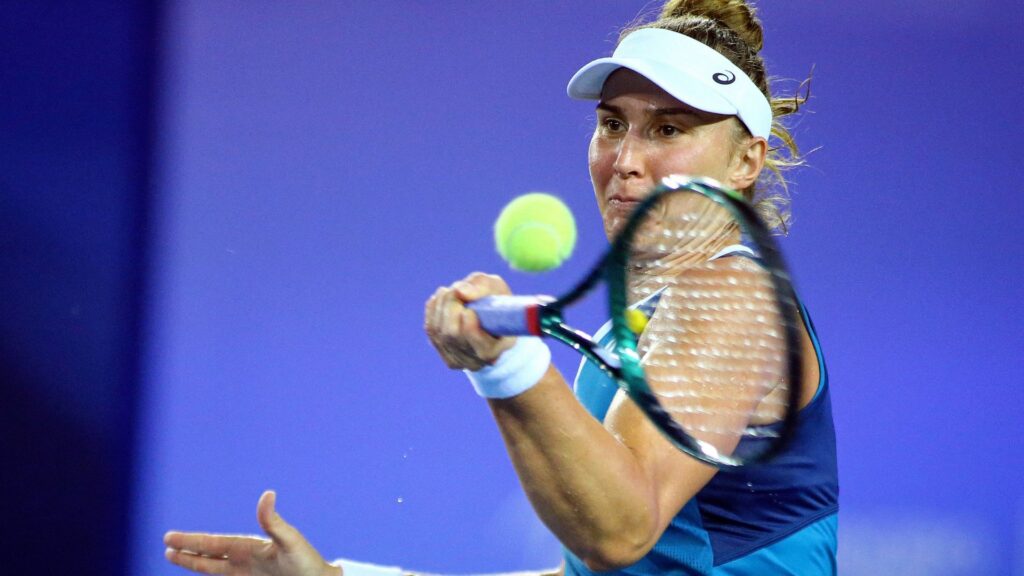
pixel 712 371
pixel 714 351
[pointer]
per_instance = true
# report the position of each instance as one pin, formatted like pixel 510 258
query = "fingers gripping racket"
pixel 706 332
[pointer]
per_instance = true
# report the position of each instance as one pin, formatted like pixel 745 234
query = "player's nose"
pixel 629 158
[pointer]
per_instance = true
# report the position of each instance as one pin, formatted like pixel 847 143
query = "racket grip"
pixel 510 315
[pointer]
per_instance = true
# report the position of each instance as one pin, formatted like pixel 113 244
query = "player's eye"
pixel 612 125
pixel 668 130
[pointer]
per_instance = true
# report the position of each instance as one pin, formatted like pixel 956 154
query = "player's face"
pixel 642 135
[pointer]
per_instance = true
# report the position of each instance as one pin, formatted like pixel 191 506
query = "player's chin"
pixel 614 221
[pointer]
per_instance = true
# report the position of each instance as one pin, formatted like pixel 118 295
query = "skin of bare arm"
pixel 606 491
pixel 605 499
pixel 609 491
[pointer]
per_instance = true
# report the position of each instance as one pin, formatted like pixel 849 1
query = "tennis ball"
pixel 535 232
pixel 636 320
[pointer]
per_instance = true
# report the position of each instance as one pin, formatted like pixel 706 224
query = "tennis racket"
pixel 705 329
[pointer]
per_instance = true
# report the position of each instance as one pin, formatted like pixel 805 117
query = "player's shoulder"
pixel 735 258
pixel 738 273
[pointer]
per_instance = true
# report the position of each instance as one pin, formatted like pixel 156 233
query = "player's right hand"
pixel 454 329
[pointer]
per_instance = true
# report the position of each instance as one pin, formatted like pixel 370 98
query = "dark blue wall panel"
pixel 75 110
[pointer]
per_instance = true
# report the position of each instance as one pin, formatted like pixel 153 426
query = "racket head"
pixel 717 367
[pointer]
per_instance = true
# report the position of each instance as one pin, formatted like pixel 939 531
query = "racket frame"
pixel 631 374
pixel 623 363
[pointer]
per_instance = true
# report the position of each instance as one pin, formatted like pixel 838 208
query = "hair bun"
pixel 737 15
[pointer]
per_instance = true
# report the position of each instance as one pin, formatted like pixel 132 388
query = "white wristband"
pixel 353 568
pixel 517 370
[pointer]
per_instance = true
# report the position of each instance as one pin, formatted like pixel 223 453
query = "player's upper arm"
pixel 673 477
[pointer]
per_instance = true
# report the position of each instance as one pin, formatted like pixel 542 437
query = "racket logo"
pixel 724 78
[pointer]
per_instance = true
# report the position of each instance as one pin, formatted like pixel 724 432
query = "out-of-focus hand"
pixel 286 553
pixel 455 331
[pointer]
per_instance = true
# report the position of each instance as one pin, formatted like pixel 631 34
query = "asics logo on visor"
pixel 724 77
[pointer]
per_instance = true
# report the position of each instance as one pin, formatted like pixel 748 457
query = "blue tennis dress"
pixel 774 518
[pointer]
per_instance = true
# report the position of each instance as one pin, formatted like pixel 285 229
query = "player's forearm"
pixel 586 486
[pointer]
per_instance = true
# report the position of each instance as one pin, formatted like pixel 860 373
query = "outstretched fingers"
pixel 209 553
pixel 213 545
pixel 197 563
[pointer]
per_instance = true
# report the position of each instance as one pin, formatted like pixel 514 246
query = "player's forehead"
pixel 625 87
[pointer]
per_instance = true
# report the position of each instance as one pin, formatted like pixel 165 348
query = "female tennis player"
pixel 685 94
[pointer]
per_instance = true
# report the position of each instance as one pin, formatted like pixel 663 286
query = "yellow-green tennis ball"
pixel 636 320
pixel 535 232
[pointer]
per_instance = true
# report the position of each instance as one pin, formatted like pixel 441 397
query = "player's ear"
pixel 747 162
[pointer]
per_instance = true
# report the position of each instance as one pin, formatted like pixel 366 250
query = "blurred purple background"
pixel 319 168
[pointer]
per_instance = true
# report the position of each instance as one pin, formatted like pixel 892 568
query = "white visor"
pixel 687 69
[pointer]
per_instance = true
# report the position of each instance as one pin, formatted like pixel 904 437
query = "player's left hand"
pixel 286 553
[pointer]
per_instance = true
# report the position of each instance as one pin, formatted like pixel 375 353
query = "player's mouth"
pixel 623 204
